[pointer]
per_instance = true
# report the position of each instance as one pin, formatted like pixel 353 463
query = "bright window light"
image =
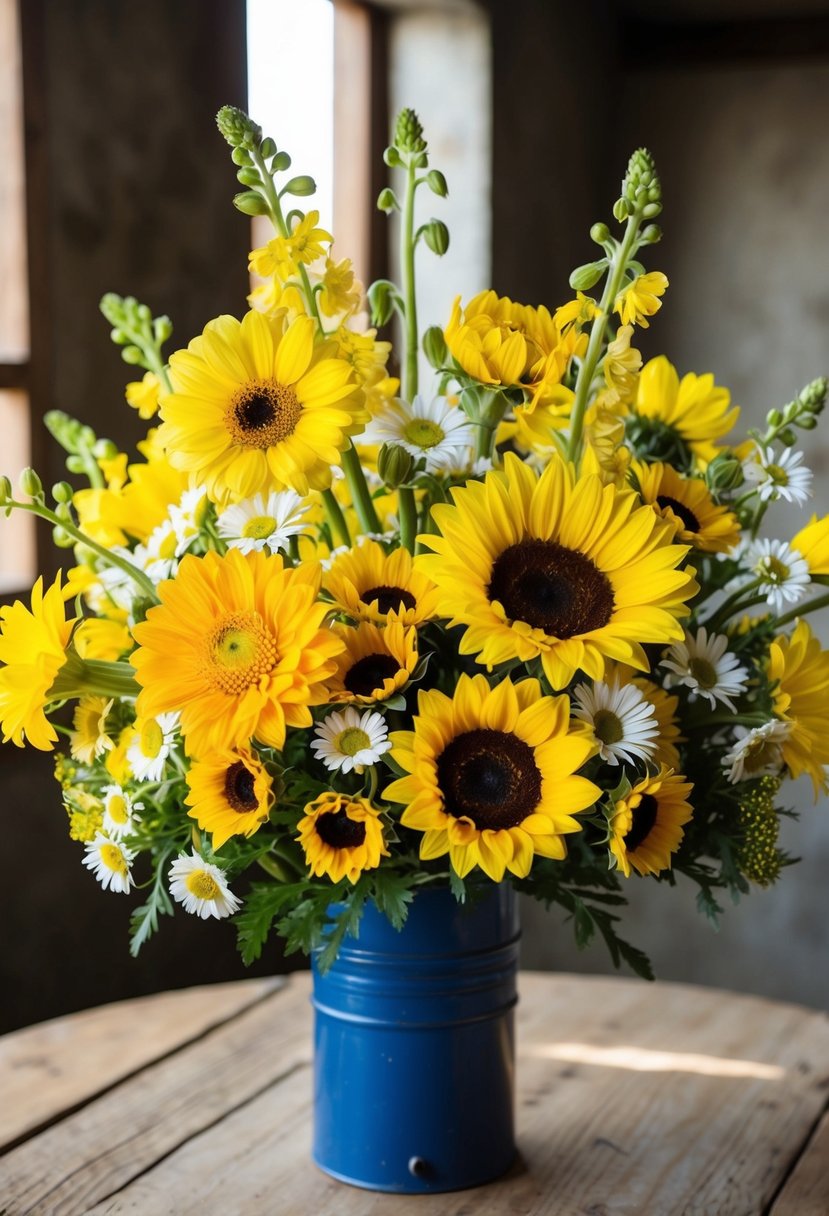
pixel 291 87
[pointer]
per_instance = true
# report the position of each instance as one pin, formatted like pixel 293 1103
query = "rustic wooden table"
pixel 632 1098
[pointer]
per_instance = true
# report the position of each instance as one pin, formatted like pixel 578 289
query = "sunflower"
pixel 694 408
pixel 646 824
pixel 341 836
pixel 687 505
pixel 375 662
pixel 32 651
pixel 569 570
pixel 665 706
pixel 372 585
pixel 230 794
pixel 491 775
pixel 238 644
pixel 800 670
pixel 254 409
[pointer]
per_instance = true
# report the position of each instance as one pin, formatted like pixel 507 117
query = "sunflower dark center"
pixel 552 588
pixel 389 599
pixel 682 512
pixel 262 414
pixel 337 830
pixel 239 788
pixel 490 777
pixel 644 817
pixel 369 674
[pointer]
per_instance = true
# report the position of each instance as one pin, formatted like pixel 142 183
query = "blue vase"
pixel 414 1047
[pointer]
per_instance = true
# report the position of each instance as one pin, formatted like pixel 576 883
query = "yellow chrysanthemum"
pixel 238 645
pixel 372 585
pixel 799 671
pixel 32 651
pixel 491 776
pixel 284 254
pixel 569 570
pixel 255 409
pixel 142 395
pixel 230 794
pixel 647 825
pixel 89 739
pixel 812 543
pixel 686 504
pixel 375 662
pixel 694 407
pixel 641 299
pixel 341 836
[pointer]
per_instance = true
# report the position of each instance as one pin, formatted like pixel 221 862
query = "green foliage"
pixel 144 920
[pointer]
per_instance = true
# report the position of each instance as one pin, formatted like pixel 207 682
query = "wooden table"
pixel 632 1098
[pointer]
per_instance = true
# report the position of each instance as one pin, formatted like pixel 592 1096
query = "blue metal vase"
pixel 414 1047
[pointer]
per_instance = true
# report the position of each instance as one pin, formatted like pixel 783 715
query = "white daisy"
pixel 782 571
pixel 110 862
pixel 158 556
pixel 187 517
pixel 623 721
pixel 347 739
pixel 436 431
pixel 151 745
pixel 120 812
pixel 119 587
pixel 756 752
pixel 782 477
pixel 704 665
pixel 264 522
pixel 201 887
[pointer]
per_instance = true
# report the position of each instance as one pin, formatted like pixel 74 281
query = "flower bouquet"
pixel 328 643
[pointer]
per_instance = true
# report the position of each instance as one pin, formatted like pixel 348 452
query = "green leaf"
pixel 266 901
pixel 457 886
pixel 393 893
pixel 144 920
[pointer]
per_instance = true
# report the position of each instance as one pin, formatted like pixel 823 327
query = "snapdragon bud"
pixel 408 132
pixel 434 346
pixel 62 492
pixel 600 233
pixel 725 472
pixel 394 464
pixel 237 128
pixel 30 484
pixel 587 276
pixel 641 188
pixel 5 491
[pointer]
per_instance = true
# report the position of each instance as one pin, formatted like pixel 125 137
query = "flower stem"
pixel 336 519
pixel 822 601
pixel 407 275
pixel 407 514
pixel 360 494
pixel 93 677
pixel 734 603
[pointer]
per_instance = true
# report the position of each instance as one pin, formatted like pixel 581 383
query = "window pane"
pixel 17 534
pixel 14 336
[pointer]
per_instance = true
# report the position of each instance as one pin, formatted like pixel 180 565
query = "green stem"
pixel 407 513
pixel 273 868
pixel 733 604
pixel 336 519
pixel 93 677
pixel 407 275
pixel 360 494
pixel 584 379
pixel 822 601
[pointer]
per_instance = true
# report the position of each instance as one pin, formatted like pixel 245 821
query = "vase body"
pixel 414 1047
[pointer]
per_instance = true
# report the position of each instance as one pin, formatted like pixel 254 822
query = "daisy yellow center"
pixel 151 739
pixel 369 674
pixel 774 570
pixel 704 672
pixel 240 788
pixel 262 413
pixel 552 588
pixel 389 599
pixel 202 885
pixel 117 809
pixel 423 433
pixel 644 817
pixel 490 777
pixel 167 548
pixel 339 832
pixel 607 727
pixel 759 753
pixel 239 653
pixel 779 476
pixel 689 519
pixel 113 858
pixel 259 528
pixel 351 741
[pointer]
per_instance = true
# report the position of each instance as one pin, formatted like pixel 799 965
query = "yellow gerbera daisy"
pixel 569 570
pixel 812 543
pixel 375 662
pixel 800 670
pixel 372 585
pixel 238 645
pixel 230 794
pixel 32 651
pixel 646 825
pixel 341 836
pixel 255 409
pixel 492 775
pixel 641 299
pixel 694 407
pixel 687 505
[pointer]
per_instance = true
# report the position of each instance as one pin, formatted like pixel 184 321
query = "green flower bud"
pixel 30 484
pixel 61 538
pixel 5 491
pixel 249 177
pixel 104 449
pixel 250 203
pixel 600 233
pixel 587 276
pixel 774 418
pixel 436 236
pixel 394 464
pixel 387 201
pixel 62 492
pixel 393 158
pixel 437 183
pixel 814 394
pixel 75 464
pixel 620 210
pixel 64 512
pixel 132 355
pixel 267 147
pixel 808 422
pixel 641 184
pixel 788 437
pixel 241 156
pixel 434 347
pixel 162 329
pixel 725 472
pixel 111 306
pixel 280 162
pixel 408 132
pixel 381 299
pixel 651 234
pixel 118 337
pixel 143 313
pixel 237 128
pixel 301 186
pixel 651 210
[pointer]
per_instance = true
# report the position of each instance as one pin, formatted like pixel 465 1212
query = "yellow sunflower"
pixel 647 825
pixel 32 652
pixel 341 836
pixel 694 407
pixel 687 505
pixel 491 775
pixel 799 669
pixel 569 570
pixel 238 644
pixel 375 664
pixel 665 706
pixel 255 409
pixel 372 585
pixel 230 794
